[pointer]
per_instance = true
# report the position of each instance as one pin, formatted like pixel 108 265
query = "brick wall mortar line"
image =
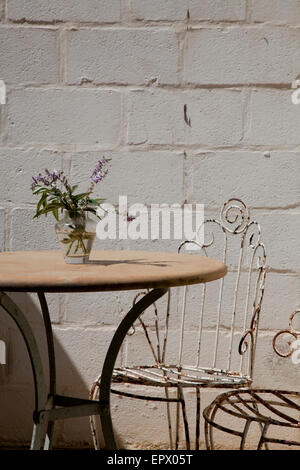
pixel 162 24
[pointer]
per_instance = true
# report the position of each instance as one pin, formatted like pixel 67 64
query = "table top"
pixel 32 271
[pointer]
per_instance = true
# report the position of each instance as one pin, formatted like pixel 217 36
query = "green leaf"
pixel 95 201
pixel 79 196
pixel 55 213
pixel 48 208
pixel 41 202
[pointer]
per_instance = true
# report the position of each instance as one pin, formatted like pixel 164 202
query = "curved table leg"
pixel 110 359
pixel 36 363
pixel 52 366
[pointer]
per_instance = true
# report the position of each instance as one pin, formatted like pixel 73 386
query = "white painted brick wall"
pixel 128 56
pixel 244 174
pixel 19 165
pixel 64 116
pixel 172 10
pixel 192 100
pixel 275 11
pixel 157 117
pixel 272 119
pixel 29 55
pixel 102 11
pixel 146 183
pixel 242 55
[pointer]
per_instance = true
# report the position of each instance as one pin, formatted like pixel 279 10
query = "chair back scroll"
pixel 286 343
pixel 237 298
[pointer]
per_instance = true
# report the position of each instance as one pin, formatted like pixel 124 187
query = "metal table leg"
pixel 52 366
pixel 36 363
pixel 110 359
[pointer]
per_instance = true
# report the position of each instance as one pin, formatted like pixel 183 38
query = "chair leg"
pixel 262 437
pixel 198 409
pixel 209 430
pixel 255 406
pixel 49 436
pixel 206 434
pixel 37 437
pixel 169 418
pixel 245 432
pixel 185 421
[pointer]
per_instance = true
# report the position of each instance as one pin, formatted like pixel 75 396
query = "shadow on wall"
pixel 16 382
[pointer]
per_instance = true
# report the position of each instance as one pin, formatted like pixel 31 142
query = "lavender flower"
pixel 100 171
pixel 49 179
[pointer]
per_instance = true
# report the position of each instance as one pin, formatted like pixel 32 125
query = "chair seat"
pixel 277 407
pixel 163 375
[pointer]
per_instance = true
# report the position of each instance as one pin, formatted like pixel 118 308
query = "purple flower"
pixel 49 179
pixel 100 171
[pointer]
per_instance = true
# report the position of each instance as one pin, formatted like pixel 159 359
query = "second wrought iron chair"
pixel 220 352
pixel 277 412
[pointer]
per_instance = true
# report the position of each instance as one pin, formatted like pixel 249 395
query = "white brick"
pixel 100 308
pixel 157 10
pixel 278 308
pixel 141 176
pixel 29 234
pixel 122 56
pixel 173 10
pixel 2 229
pixel 157 117
pixel 217 10
pixel 281 236
pixel 69 10
pixel 242 55
pixel 80 353
pixel 17 169
pixel 276 11
pixel 274 119
pixel 244 174
pixel 29 55
pixel 64 116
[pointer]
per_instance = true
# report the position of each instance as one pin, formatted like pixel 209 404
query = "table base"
pixel 50 407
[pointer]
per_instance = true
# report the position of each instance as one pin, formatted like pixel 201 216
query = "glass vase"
pixel 76 234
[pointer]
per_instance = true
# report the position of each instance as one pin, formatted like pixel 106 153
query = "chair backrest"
pixel 215 325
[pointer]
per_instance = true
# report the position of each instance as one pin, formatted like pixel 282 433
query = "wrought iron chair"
pixel 226 335
pixel 274 410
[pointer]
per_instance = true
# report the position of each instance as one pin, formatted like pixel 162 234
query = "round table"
pixel 46 271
